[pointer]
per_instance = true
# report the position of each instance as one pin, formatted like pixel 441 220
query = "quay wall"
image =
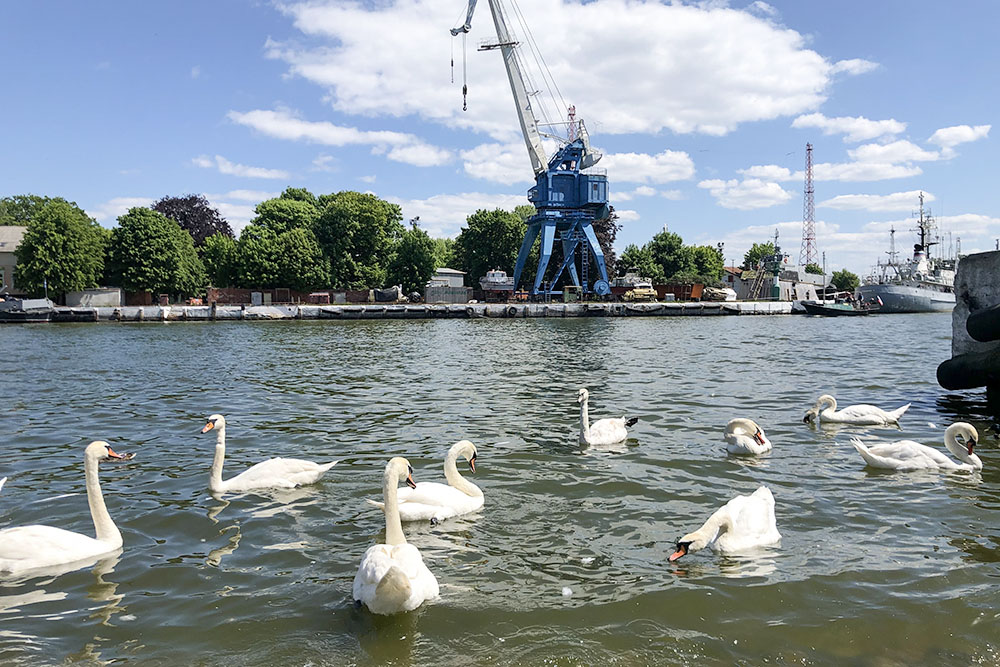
pixel 394 311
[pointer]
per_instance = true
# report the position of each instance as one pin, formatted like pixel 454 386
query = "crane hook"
pixel 465 92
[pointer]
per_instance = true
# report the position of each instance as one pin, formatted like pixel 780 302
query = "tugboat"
pixel 921 285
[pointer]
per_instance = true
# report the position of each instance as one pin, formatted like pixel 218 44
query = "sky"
pixel 702 111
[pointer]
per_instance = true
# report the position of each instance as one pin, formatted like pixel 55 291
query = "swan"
pixel 30 547
pixel 864 415
pixel 742 524
pixel 271 474
pixel 435 501
pixel 392 577
pixel 2 480
pixel 743 436
pixel 603 431
pixel 959 438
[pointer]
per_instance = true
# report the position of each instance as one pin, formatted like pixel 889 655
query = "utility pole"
pixel 807 255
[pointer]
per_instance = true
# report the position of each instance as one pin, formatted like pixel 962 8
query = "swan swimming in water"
pixel 862 415
pixel 392 577
pixel 2 480
pixel 30 547
pixel 743 436
pixel 742 524
pixel 435 501
pixel 960 438
pixel 604 431
pixel 275 473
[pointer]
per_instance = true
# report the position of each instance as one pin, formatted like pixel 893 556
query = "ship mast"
pixel 925 223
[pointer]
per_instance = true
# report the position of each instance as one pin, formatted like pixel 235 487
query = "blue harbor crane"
pixel 569 194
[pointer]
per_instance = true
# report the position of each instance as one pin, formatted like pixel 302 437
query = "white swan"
pixel 435 501
pixel 31 547
pixel 960 438
pixel 743 436
pixel 864 415
pixel 271 474
pixel 2 480
pixel 392 577
pixel 604 431
pixel 742 524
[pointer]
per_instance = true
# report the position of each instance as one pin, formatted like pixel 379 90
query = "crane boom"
pixel 525 115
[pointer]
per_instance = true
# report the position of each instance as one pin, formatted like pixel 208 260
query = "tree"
pixel 813 267
pixel 62 247
pixel 20 209
pixel 301 265
pixel 220 257
pixel 150 252
pixel 606 230
pixel 756 252
pixel 283 213
pixel 845 281
pixel 414 261
pixel 641 260
pixel 195 215
pixel 257 257
pixel 489 240
pixel 668 250
pixel 708 262
pixel 358 233
pixel 444 252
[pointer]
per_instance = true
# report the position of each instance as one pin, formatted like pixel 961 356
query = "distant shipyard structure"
pixel 808 254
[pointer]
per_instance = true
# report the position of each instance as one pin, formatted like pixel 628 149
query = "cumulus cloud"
pixel 853 66
pixel 711 67
pixel 444 215
pixel 897 201
pixel 224 166
pixel 767 172
pixel 853 128
pixel 107 213
pixel 398 146
pixel 949 137
pixel 893 153
pixel 645 168
pixel 750 193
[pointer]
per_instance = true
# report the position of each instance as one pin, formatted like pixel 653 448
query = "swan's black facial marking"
pixel 472 462
pixel 682 550
pixel 409 477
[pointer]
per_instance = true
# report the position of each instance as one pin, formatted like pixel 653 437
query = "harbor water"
pixel 567 562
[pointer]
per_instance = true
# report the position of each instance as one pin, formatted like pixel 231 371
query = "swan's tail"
pixel 869 458
pixel 631 421
pixel 394 589
pixel 323 467
pixel 898 412
pixel 376 503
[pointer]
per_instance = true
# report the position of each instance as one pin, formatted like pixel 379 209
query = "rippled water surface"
pixel 873 568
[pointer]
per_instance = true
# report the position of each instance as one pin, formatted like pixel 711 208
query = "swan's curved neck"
pixel 104 527
pixel 718 523
pixel 961 453
pixel 455 478
pixel 585 416
pixel 393 526
pixel 829 401
pixel 215 478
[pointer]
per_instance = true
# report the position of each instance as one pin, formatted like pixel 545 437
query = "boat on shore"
pixel 838 309
pixel 26 310
pixel 924 284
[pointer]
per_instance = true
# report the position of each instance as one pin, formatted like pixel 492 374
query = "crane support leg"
pixel 595 247
pixel 569 246
pixel 545 253
pixel 522 255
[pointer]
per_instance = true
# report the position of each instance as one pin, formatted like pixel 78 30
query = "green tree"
pixel 257 262
pixel 301 265
pixel 708 262
pixel 668 250
pixel 150 252
pixel 813 267
pixel 756 252
pixel 61 246
pixel 641 261
pixel 219 255
pixel 20 209
pixel 489 240
pixel 444 253
pixel 195 215
pixel 358 233
pixel 845 280
pixel 414 262
pixel 283 213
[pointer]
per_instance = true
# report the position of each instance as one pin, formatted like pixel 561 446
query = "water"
pixel 873 568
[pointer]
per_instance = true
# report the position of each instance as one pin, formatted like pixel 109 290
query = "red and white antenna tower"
pixel 808 253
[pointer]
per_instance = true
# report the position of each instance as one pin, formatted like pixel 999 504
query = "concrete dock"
pixel 404 311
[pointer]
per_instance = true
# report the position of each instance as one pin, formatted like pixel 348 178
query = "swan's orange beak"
pixel 682 550
pixel 972 443
pixel 472 463
pixel 208 427
pixel 115 455
pixel 759 437
pixel 410 483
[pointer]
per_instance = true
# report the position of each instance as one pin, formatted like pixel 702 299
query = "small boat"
pixel 26 310
pixel 838 309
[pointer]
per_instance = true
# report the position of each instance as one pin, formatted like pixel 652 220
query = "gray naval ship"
pixel 923 284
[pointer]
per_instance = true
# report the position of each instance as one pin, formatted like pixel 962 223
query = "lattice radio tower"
pixel 808 253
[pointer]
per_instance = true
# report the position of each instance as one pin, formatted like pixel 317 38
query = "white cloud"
pixel 710 67
pixel 949 137
pixel 762 8
pixel 499 163
pixel 324 162
pixel 673 195
pixel 628 195
pixel 233 169
pixel 767 172
pixel 444 215
pixel 854 66
pixel 853 128
pixel 747 194
pixel 645 168
pixel 897 201
pixel 398 146
pixel 367 179
pixel 627 215
pixel 893 153
pixel 861 171
pixel 107 213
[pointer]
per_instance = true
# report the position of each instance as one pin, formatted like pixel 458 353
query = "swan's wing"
pixel 2 480
pixel 606 431
pixel 422 581
pixel 737 443
pixel 31 546
pixel 279 473
pixel 430 493
pixel 912 454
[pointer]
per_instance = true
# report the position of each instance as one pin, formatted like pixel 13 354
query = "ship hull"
pixel 905 299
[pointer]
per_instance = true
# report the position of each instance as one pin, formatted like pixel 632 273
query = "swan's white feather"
pixel 278 473
pixel 409 581
pixel 607 431
pixel 432 500
pixel 905 455
pixel 752 523
pixel 30 547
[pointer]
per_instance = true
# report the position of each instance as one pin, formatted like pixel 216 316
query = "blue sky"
pixel 702 109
